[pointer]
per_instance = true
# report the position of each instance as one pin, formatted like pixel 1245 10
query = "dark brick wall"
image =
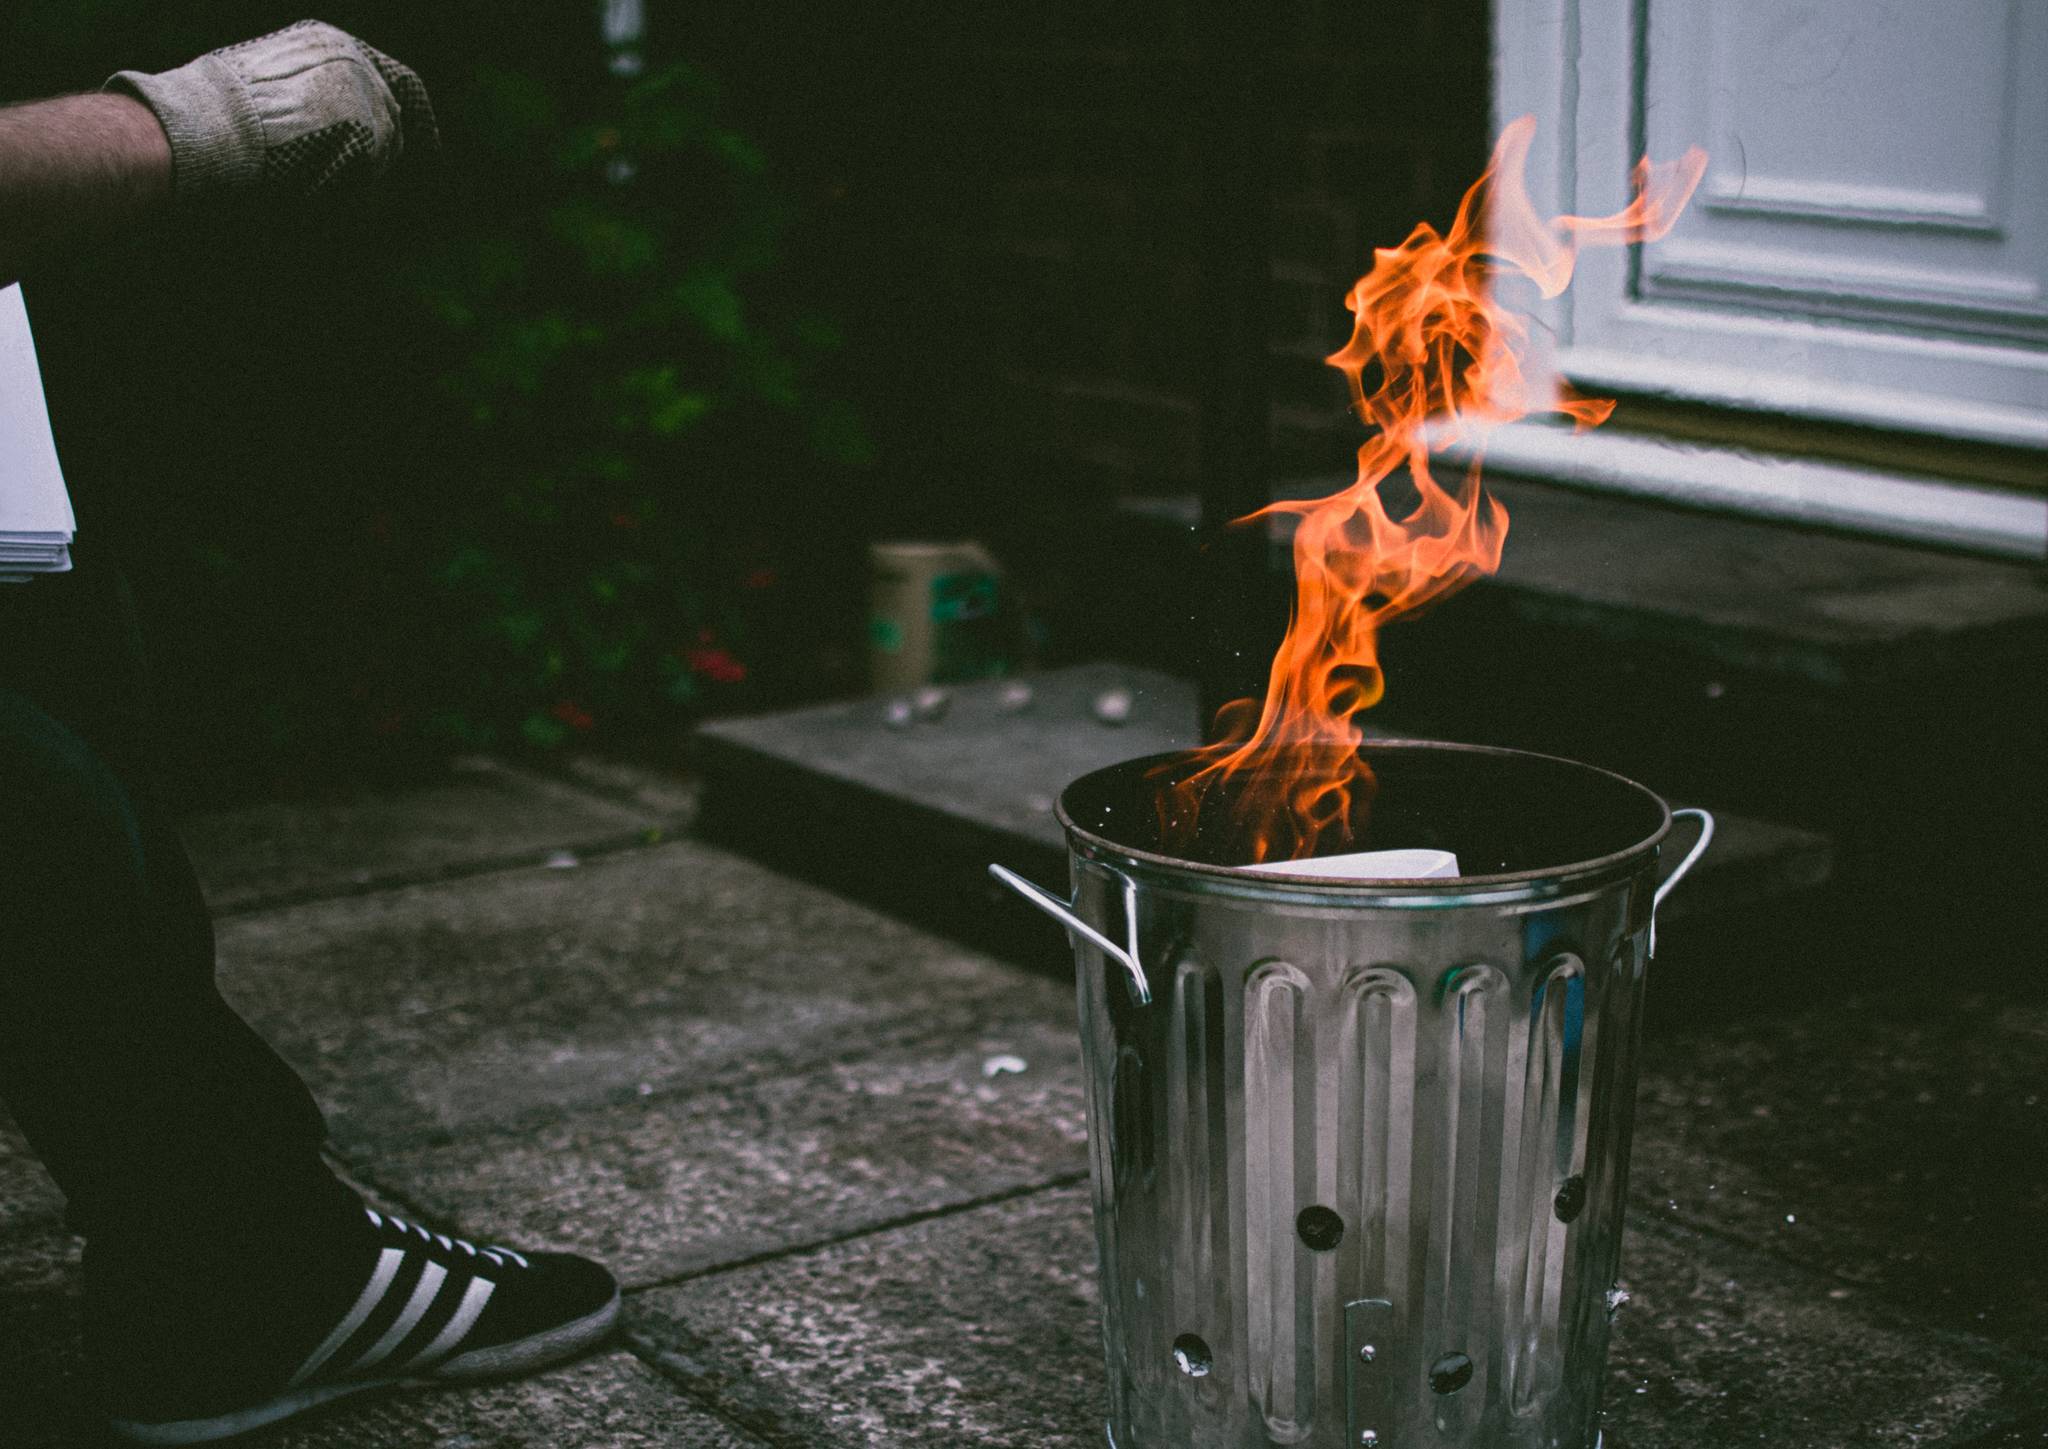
pixel 1004 201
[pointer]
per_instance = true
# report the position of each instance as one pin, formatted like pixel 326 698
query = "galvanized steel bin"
pixel 1360 1149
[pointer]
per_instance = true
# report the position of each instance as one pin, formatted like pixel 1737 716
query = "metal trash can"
pixel 1360 1149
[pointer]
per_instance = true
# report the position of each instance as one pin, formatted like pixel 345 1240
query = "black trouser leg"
pixel 153 1105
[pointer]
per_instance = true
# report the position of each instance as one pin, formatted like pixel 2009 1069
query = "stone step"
pixel 909 816
pixel 1776 670
pixel 1741 594
pixel 1874 693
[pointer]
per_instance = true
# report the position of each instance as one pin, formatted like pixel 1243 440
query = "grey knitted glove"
pixel 305 110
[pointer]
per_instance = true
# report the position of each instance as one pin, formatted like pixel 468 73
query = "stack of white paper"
pixel 36 523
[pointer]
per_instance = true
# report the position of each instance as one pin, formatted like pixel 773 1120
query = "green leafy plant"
pixel 629 400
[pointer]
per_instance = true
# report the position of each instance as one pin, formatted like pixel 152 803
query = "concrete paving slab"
pixel 611 1400
pixel 982 1328
pixel 669 792
pixel 30 1204
pixel 975 1329
pixel 675 1184
pixel 476 814
pixel 1722 1346
pixel 1896 1143
pixel 2028 1433
pixel 519 996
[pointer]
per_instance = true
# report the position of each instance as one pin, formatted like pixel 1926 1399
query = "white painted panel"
pixel 1871 241
pixel 1869 161
pixel 1886 113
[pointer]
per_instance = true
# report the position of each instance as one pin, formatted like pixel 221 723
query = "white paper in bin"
pixel 1368 865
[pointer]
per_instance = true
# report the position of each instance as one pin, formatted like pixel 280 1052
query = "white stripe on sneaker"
pixel 381 1279
pixel 415 1309
pixel 472 1308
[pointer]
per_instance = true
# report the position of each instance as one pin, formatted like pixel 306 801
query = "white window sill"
pixel 1767 485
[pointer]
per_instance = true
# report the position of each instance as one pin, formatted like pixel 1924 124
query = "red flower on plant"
pixel 573 715
pixel 707 661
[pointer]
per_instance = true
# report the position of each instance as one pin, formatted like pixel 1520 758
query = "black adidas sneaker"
pixel 259 1340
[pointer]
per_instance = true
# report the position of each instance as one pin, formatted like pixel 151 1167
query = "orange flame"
pixel 1433 359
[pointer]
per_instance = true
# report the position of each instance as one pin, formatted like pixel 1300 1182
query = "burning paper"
pixel 1368 865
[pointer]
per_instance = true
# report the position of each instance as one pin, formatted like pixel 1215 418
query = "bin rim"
pixel 1092 844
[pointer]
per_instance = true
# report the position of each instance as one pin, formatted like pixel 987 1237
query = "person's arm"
pixel 303 111
pixel 73 170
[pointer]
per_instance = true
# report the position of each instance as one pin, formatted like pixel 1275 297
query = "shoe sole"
pixel 503 1360
pixel 524 1355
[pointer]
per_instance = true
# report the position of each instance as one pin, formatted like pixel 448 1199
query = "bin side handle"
pixel 1692 858
pixel 1063 912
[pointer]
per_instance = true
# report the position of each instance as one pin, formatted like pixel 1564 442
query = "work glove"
pixel 303 111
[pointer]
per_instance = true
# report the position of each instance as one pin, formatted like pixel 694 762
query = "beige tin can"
pixel 935 615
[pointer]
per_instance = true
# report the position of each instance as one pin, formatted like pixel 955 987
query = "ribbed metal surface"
pixel 1359 1169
